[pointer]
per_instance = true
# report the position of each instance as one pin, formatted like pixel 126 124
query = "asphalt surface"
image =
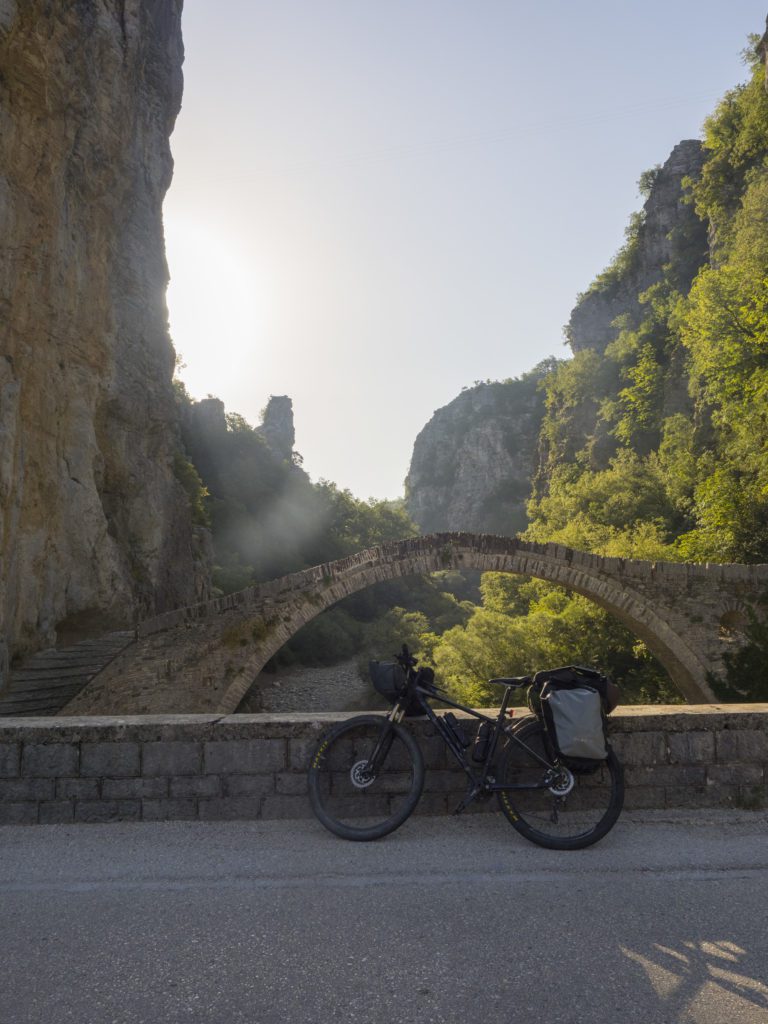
pixel 446 920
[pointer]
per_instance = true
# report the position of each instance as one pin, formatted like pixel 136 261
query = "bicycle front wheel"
pixel 575 809
pixel 365 777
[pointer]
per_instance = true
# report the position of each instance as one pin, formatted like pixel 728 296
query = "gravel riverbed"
pixel 331 688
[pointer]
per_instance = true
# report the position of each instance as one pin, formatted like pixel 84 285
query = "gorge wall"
pixel 667 231
pixel 95 529
pixel 474 463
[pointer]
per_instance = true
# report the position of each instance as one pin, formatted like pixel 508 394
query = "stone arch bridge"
pixel 206 657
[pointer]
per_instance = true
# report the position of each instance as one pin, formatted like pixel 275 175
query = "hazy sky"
pixel 378 202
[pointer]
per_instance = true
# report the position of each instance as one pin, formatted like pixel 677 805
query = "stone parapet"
pixel 208 767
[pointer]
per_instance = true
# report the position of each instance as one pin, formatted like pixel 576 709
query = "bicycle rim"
pixel 561 821
pixel 354 800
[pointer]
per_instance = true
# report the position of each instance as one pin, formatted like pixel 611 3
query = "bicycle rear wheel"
pixel 575 810
pixel 365 777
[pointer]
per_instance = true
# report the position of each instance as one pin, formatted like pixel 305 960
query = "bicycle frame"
pixel 481 781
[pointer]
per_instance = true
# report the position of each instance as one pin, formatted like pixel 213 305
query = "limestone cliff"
pixel 277 427
pixel 666 232
pixel 94 527
pixel 473 462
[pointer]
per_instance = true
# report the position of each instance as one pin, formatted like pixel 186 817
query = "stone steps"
pixel 45 682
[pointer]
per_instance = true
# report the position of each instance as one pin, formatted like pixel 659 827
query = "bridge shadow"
pixel 703 981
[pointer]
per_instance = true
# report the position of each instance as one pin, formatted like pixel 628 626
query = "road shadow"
pixel 702 981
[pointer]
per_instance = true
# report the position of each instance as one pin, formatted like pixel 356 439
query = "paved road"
pixel 447 920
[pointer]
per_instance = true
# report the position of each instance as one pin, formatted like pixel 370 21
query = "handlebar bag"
pixel 389 679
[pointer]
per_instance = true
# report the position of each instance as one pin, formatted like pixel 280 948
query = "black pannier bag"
pixel 573 702
pixel 389 679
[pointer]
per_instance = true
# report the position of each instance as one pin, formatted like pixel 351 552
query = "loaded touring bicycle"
pixel 553 772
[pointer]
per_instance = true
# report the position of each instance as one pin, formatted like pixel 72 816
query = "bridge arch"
pixel 607 582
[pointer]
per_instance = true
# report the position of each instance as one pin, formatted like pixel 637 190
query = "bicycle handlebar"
pixel 405 658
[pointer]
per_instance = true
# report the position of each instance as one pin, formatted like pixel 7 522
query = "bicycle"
pixel 366 774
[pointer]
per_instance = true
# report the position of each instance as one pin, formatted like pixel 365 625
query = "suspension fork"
pixel 386 738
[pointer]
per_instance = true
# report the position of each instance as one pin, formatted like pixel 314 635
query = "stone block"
pixel 702 796
pixel 291 783
pixel 115 760
pixel 434 751
pixel 752 798
pixel 696 747
pixel 735 774
pixel 300 750
pixel 642 797
pixel 742 745
pixel 9 759
pixel 107 810
pixel 446 782
pixel 171 757
pixel 49 760
pixel 640 748
pixel 275 807
pixel 437 803
pixel 134 789
pixel 244 757
pixel 169 810
pixel 489 805
pixel 666 775
pixel 241 808
pixel 202 786
pixel 56 812
pixel 248 785
pixel 17 790
pixel 19 814
pixel 77 789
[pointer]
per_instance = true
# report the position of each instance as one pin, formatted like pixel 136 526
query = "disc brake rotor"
pixel 360 775
pixel 563 783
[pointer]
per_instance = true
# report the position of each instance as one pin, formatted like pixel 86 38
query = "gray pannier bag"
pixel 581 722
pixel 577 718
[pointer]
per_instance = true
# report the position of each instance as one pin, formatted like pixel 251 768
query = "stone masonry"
pixel 204 767
pixel 204 659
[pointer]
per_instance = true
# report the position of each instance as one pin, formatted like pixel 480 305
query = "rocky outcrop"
pixel 277 427
pixel 473 462
pixel 667 232
pixel 95 530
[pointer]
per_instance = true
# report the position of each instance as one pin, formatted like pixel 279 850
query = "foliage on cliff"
pixel 672 461
pixel 658 446
pixel 676 440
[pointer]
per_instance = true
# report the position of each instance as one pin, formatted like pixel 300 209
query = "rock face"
pixel 95 528
pixel 473 462
pixel 669 231
pixel 277 427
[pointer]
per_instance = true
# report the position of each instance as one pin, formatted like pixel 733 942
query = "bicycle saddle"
pixel 510 681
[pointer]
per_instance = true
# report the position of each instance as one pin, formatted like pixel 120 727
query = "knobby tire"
pixel 352 802
pixel 572 822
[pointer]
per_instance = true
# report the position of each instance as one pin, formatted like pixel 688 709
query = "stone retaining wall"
pixel 254 766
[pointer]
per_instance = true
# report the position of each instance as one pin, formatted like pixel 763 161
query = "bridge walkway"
pixel 45 682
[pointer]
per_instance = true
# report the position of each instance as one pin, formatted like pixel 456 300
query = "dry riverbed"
pixel 331 688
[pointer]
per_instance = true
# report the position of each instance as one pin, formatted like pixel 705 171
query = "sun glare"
pixel 215 305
